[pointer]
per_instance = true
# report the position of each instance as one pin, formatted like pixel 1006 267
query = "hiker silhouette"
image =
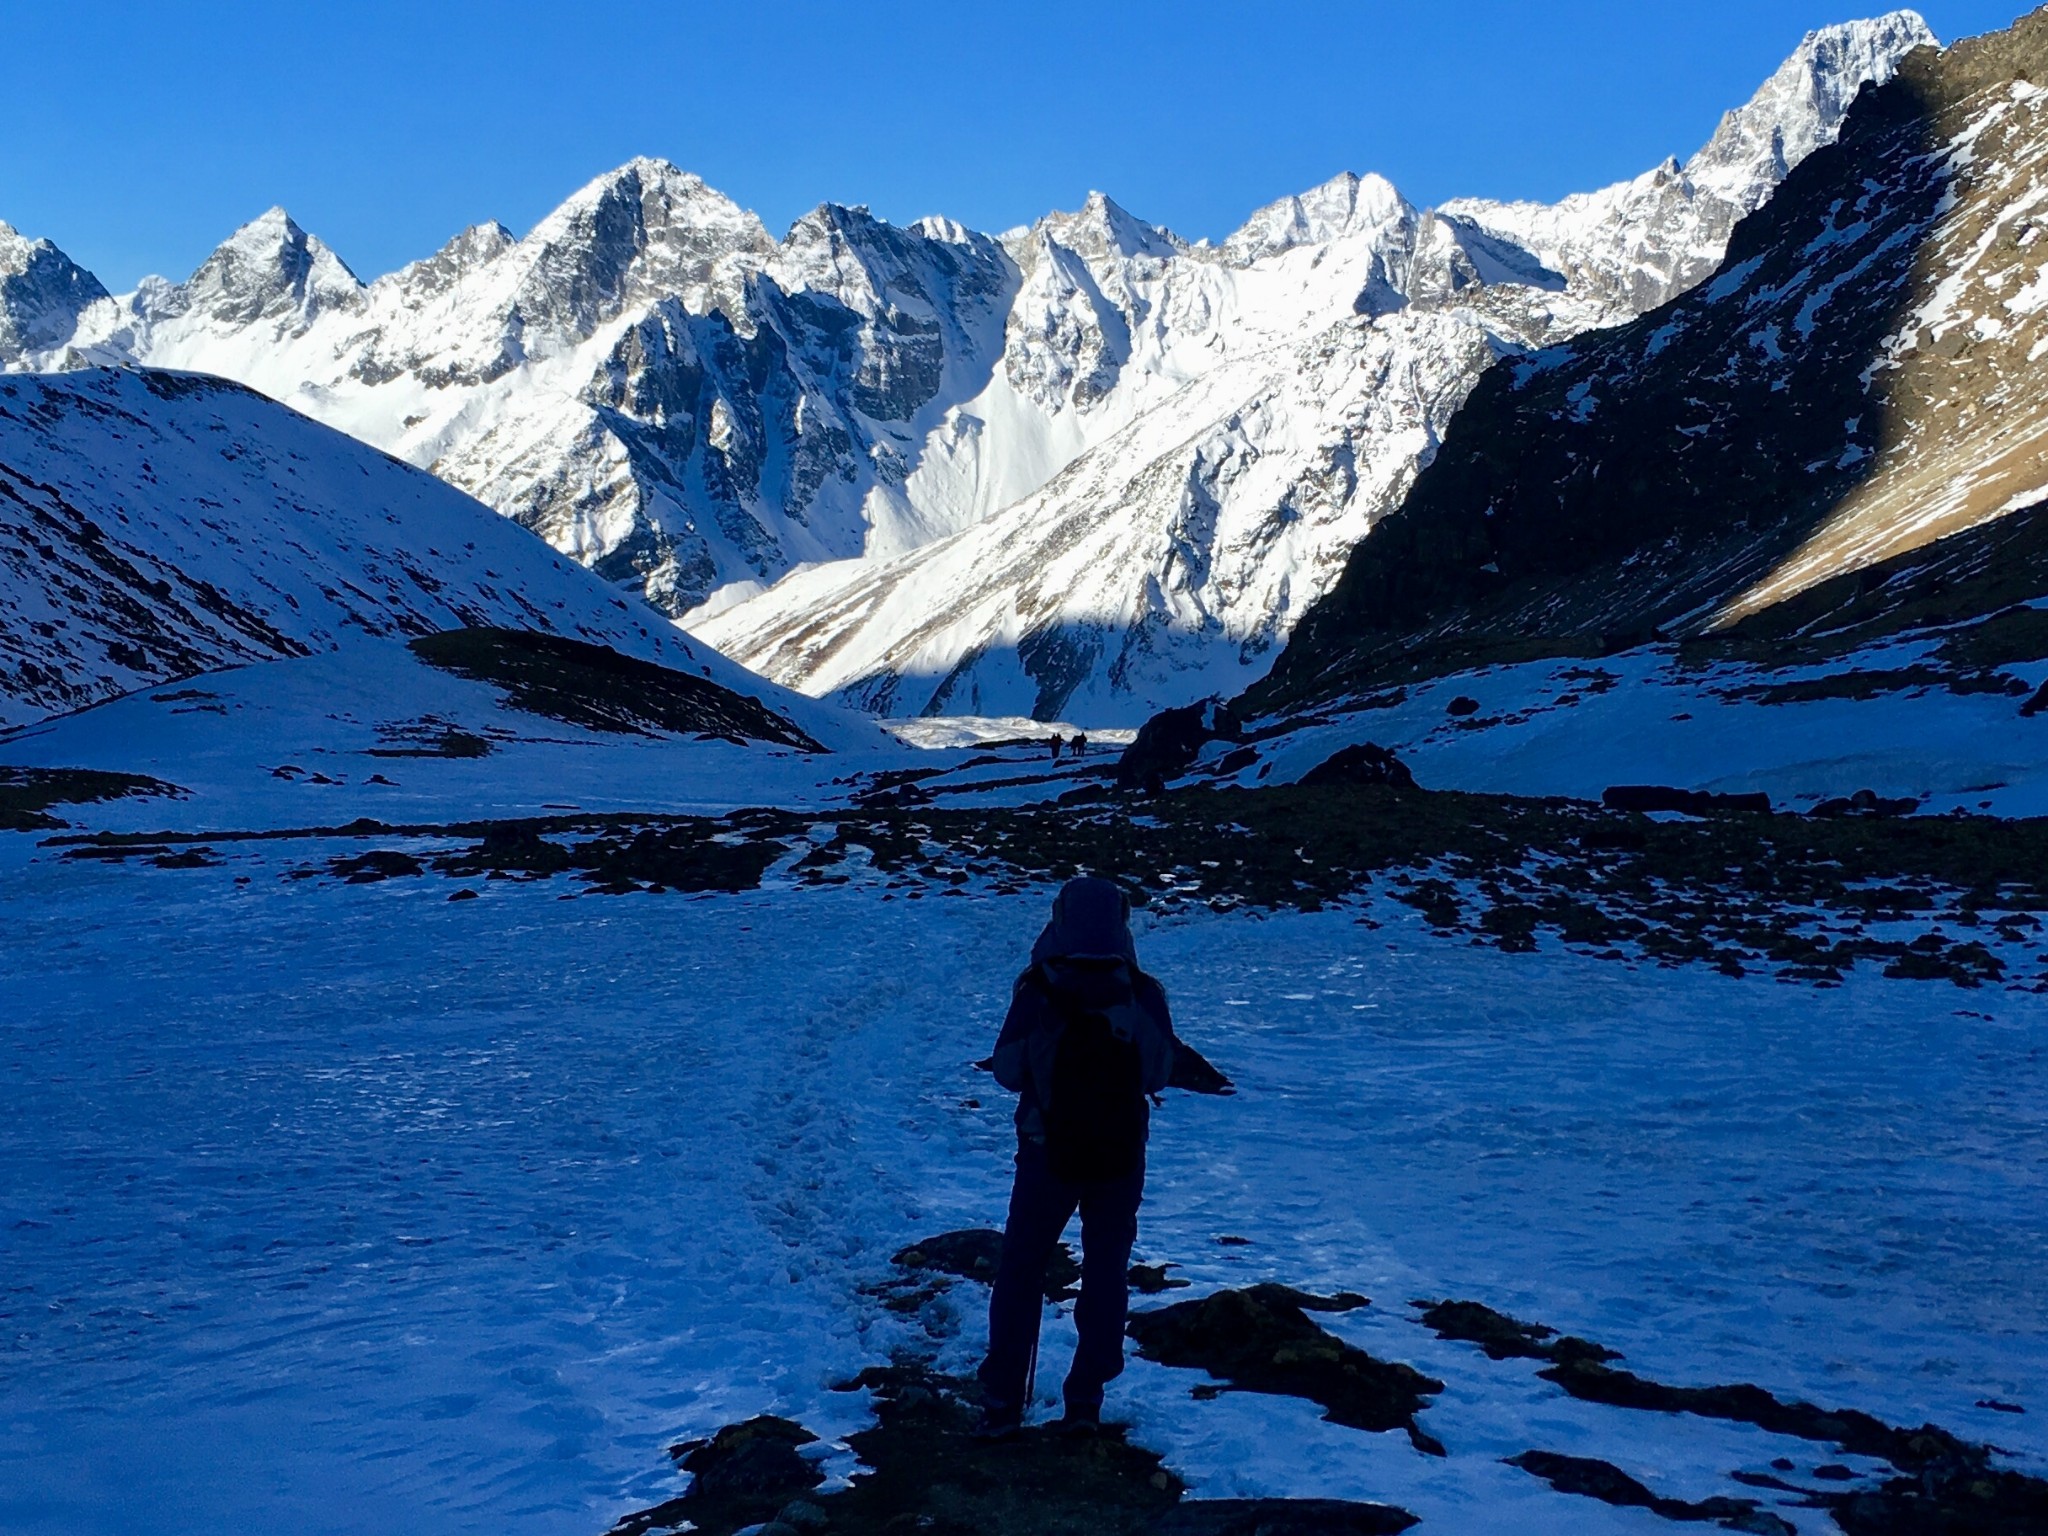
pixel 1088 1038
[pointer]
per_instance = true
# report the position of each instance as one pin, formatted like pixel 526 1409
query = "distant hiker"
pixel 1056 741
pixel 1077 746
pixel 1087 1039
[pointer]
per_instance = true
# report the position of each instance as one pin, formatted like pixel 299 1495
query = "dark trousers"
pixel 1040 1208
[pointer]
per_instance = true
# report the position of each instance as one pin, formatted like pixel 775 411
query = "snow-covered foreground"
pixel 349 1208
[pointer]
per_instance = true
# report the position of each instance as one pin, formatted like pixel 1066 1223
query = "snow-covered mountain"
pixel 156 525
pixel 1082 468
pixel 1314 362
pixel 1768 459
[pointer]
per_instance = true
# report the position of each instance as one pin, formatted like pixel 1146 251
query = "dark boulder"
pixel 1168 743
pixel 1364 763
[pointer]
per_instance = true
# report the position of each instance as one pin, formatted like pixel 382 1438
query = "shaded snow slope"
pixel 154 526
pixel 375 731
pixel 695 409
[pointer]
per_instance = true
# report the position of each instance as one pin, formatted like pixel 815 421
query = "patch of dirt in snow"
pixel 1947 1484
pixel 1950 898
pixel 1602 1480
pixel 1261 1339
pixel 26 794
pixel 922 1470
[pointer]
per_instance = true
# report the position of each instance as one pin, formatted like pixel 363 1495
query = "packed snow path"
pixel 340 1208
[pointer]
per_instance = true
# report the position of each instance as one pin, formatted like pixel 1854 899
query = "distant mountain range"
pixel 1081 469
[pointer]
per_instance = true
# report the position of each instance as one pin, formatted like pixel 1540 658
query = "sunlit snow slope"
pixel 1187 439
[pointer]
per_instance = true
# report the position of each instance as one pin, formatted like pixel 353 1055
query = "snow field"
pixel 1556 728
pixel 349 1208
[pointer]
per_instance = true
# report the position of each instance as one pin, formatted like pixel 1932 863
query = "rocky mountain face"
pixel 1861 380
pixel 42 292
pixel 1287 387
pixel 1084 468
pixel 155 525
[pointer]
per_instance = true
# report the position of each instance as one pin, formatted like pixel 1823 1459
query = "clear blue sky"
pixel 136 135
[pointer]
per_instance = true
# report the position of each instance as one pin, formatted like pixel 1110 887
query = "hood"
pixel 1090 921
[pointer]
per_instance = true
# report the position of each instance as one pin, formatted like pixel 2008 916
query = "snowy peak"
pixel 42 292
pixel 269 270
pixel 1102 230
pixel 1345 205
pixel 469 252
pixel 642 231
pixel 1802 105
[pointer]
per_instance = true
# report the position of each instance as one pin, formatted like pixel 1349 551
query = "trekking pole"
pixel 1031 1376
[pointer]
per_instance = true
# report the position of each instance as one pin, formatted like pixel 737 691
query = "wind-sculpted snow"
pixel 156 525
pixel 695 410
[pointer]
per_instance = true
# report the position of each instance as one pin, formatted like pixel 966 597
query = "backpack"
pixel 1095 1121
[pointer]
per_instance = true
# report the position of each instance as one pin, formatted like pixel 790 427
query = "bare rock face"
pixel 1083 467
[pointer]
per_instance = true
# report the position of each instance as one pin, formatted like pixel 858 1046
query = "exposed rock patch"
pixel 922 1471
pixel 1261 1339
pixel 26 794
pixel 1606 1482
pixel 602 689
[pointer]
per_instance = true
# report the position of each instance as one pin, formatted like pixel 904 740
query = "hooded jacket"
pixel 1084 962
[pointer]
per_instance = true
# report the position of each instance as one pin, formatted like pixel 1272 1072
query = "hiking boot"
pixel 998 1421
pixel 1081 1419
